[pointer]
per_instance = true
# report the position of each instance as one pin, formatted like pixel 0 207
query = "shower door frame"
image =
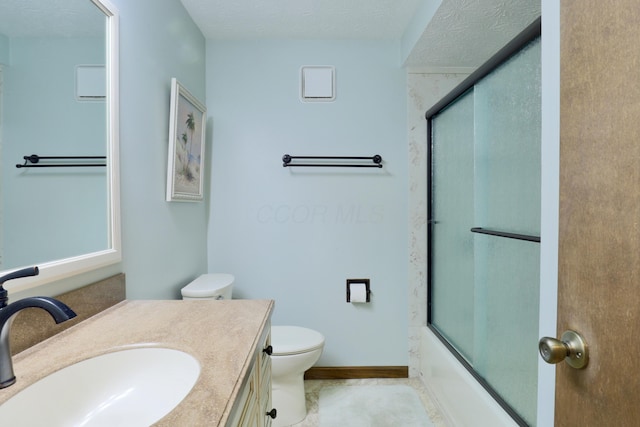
pixel 532 32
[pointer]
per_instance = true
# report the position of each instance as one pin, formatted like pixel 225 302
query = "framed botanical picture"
pixel 187 124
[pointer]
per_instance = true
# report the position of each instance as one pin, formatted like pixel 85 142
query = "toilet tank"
pixel 209 286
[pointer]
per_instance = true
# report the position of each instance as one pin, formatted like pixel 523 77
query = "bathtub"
pixel 462 401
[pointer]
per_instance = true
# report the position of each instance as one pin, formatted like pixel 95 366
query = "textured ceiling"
pixel 462 33
pixel 302 19
pixel 50 18
pixel 465 33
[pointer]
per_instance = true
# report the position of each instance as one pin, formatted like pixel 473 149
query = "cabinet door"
pixel 254 401
pixel 250 409
pixel 245 396
pixel 265 381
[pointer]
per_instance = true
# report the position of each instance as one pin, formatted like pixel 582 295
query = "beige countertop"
pixel 222 335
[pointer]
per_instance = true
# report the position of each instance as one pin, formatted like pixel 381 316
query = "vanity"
pixel 229 339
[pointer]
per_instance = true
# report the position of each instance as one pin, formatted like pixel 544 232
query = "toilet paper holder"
pixel 362 281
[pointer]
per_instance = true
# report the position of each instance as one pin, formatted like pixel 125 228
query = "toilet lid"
pixel 287 340
pixel 207 285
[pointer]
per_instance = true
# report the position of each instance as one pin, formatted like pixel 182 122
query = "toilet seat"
pixel 290 340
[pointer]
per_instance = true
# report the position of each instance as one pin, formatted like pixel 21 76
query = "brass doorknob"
pixel 571 348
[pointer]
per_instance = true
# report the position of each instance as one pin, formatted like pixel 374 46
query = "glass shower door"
pixel 452 262
pixel 485 228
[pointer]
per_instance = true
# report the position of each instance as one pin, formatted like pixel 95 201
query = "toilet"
pixel 295 349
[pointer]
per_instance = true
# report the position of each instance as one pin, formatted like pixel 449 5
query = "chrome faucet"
pixel 59 311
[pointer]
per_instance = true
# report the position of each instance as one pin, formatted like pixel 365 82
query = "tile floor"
pixel 313 387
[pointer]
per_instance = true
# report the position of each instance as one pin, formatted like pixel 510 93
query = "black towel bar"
pixel 377 161
pixel 33 161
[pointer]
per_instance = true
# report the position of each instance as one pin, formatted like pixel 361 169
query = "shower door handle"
pixel 571 348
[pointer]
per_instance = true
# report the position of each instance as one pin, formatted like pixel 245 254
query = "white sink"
pixel 134 387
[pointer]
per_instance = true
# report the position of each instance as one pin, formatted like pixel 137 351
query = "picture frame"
pixel 186 165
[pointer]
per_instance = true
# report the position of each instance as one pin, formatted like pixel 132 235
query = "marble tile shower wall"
pixel 424 90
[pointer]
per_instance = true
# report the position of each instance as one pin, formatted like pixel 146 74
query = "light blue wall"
pixel 4 49
pixel 48 213
pixel 289 234
pixel 164 244
pixel 296 235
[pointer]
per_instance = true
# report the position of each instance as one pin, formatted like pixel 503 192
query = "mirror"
pixel 58 98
